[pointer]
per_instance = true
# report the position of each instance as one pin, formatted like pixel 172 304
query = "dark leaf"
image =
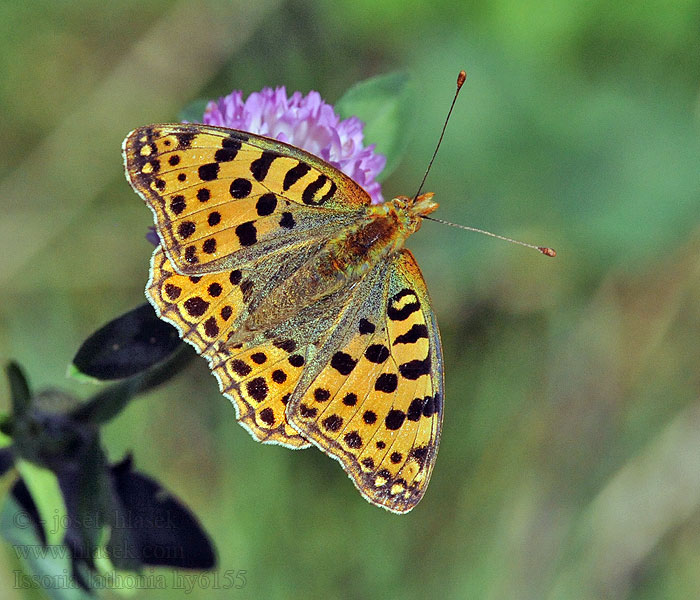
pixel 164 531
pixel 21 494
pixel 126 346
pixel 19 389
pixel 7 460
pixel 108 402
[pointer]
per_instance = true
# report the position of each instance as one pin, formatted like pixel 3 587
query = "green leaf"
pixel 46 493
pixel 73 372
pixel 386 104
pixel 5 426
pixel 193 112
pixel 52 566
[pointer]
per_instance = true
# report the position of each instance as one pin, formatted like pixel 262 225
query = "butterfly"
pixel 298 291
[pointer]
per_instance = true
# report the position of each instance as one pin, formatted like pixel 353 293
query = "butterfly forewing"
pixel 375 404
pixel 217 192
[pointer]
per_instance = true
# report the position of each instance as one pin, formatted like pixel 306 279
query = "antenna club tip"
pixel 461 78
pixel 547 251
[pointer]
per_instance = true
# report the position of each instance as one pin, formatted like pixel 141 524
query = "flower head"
pixel 306 122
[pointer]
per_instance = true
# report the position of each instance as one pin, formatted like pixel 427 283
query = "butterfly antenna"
pixel 543 249
pixel 461 78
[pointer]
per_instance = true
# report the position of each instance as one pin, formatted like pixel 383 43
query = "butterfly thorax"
pixel 382 232
pixel 345 259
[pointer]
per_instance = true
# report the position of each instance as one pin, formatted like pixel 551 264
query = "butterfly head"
pixel 411 210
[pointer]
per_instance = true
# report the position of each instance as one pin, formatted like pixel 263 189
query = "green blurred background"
pixel 570 459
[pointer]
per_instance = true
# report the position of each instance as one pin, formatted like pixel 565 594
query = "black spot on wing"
pixel 431 405
pixel 225 154
pixel 353 440
pixel 295 174
pixel 287 221
pixel 307 412
pixel 184 139
pixel 177 204
pixel 186 229
pixel 240 367
pixel 266 204
pixel 196 306
pixel 247 234
pixel 413 369
pixel 267 416
pixel 211 329
pixel 419 453
pixel 191 255
pixel 401 314
pixel 415 333
pixel 240 188
pixel 377 353
pixel 234 143
pixel 437 404
pixel 260 166
pixel 394 419
pixel 343 363
pixel 296 360
pixel 209 172
pixel 172 291
pixel 209 246
pixel 310 192
pixel 333 423
pixel 415 409
pixel 387 383
pixel 369 417
pixel 258 358
pixel 321 394
pixel 257 389
pixel 366 327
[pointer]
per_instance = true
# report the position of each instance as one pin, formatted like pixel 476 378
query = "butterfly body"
pixel 340 263
pixel 298 291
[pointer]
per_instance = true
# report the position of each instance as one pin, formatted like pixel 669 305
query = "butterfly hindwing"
pixel 217 192
pixel 376 402
pixel 257 378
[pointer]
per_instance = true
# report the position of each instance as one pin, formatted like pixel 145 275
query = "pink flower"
pixel 306 122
